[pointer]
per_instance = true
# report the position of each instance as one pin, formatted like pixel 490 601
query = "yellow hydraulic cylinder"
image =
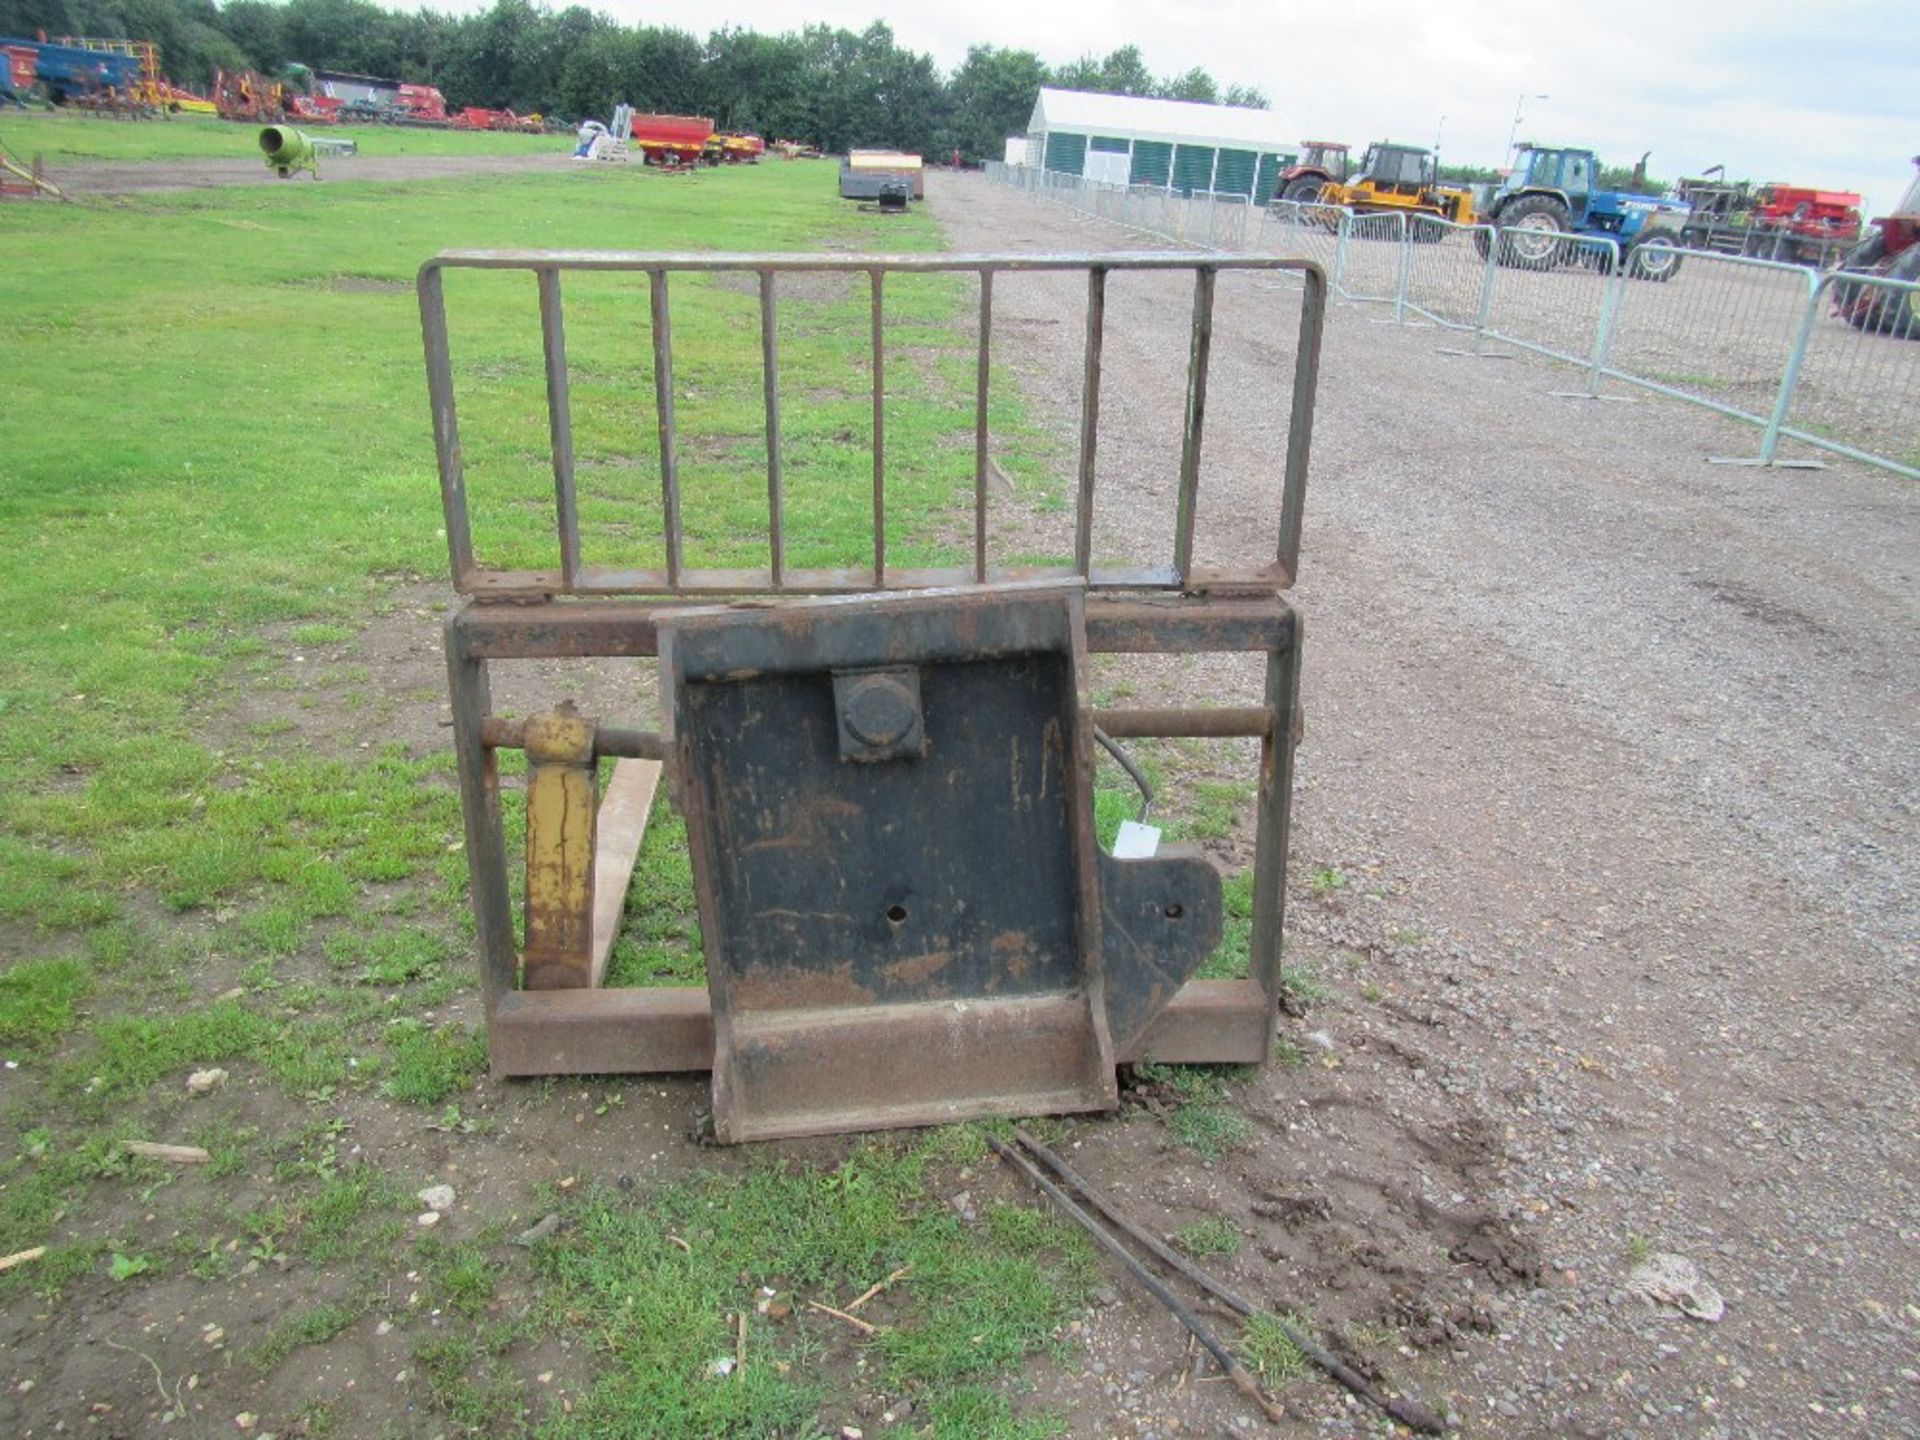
pixel 561 813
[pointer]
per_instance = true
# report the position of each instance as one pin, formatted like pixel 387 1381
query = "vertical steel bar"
pixel 1404 278
pixel 1343 237
pixel 1790 377
pixel 982 379
pixel 467 686
pixel 553 340
pixel 770 384
pixel 1306 381
pixel 1197 363
pixel 1483 318
pixel 446 423
pixel 663 403
pixel 1603 333
pixel 1273 816
pixel 879 436
pixel 1089 418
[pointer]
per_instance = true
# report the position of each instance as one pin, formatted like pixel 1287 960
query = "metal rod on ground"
pixel 1229 1364
pixel 1408 1412
pixel 1154 1244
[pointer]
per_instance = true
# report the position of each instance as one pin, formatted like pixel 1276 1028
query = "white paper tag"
pixel 1136 841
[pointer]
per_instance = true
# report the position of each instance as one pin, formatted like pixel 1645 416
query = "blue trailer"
pixel 67 72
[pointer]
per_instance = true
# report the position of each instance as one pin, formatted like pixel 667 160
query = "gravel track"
pixel 1625 744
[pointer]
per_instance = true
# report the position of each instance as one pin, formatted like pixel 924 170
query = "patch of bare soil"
pixel 132 177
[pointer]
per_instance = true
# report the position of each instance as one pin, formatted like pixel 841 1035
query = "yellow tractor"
pixel 1402 178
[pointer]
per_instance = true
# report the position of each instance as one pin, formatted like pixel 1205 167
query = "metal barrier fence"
pixel 1828 360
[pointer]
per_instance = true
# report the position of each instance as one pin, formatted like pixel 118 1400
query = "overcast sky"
pixel 1813 93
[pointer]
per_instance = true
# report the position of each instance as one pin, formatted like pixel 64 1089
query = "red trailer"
pixel 671 140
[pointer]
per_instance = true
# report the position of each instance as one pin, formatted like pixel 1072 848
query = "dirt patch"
pixel 121 177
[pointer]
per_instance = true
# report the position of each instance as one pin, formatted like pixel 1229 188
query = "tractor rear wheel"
pixel 1864 258
pixel 1891 312
pixel 1304 190
pixel 1655 255
pixel 1533 231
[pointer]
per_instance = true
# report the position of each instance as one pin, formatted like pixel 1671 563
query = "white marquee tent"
pixel 1127 140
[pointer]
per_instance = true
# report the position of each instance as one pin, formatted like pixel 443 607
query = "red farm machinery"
pixel 1891 252
pixel 1797 224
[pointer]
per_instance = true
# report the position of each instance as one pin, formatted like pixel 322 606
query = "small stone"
pixel 852 1432
pixel 385 1327
pixel 539 1230
pixel 246 1420
pixel 438 1198
pixel 1106 1295
pixel 963 1205
pixel 429 1219
pixel 205 1082
pixel 1320 1038
pixel 720 1367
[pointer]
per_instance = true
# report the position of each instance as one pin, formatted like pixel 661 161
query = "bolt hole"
pixel 1174 912
pixel 896 913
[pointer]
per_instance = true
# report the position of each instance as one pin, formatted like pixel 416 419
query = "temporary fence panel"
pixel 1713 329
pixel 1551 295
pixel 1447 270
pixel 1367 263
pixel 1827 361
pixel 1856 388
pixel 1311 232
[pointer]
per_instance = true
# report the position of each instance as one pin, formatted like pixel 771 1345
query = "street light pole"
pixel 1438 131
pixel 1513 135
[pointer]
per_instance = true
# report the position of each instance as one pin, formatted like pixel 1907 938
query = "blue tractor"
pixel 1549 195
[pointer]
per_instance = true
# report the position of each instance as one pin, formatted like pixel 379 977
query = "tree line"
pixel 828 86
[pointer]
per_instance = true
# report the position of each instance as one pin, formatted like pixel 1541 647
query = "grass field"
pixel 60 136
pixel 218 472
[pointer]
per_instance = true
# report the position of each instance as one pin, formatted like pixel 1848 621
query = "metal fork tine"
pixel 560 425
pixel 1203 282
pixel 981 381
pixel 663 404
pixel 1089 419
pixel 879 439
pixel 770 362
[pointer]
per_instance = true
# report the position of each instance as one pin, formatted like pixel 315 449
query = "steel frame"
pixel 578 611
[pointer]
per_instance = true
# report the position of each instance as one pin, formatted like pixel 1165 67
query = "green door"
pixel 1152 162
pixel 1269 181
pixel 1235 175
pixel 1192 168
pixel 1066 153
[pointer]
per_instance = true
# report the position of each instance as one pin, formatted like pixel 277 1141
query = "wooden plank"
pixel 623 823
pixel 179 1154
